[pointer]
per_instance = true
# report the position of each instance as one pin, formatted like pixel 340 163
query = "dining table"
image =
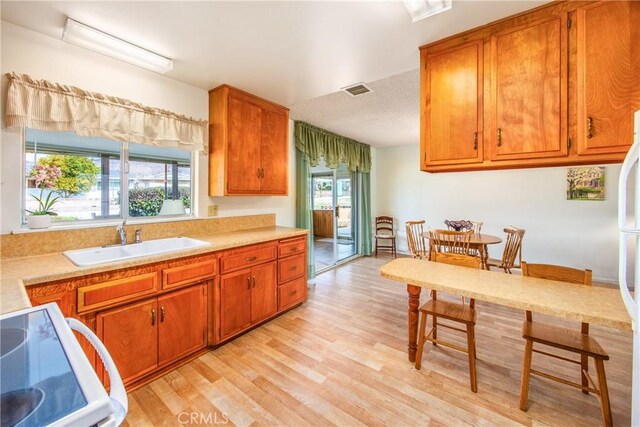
pixel 598 305
pixel 478 242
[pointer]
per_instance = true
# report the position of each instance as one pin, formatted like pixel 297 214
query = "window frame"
pixel 124 195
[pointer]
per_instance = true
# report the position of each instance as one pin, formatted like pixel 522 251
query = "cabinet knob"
pixel 153 316
pixel 589 127
pixel 251 258
pixel 499 137
pixel 475 140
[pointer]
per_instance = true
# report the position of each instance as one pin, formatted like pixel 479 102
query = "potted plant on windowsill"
pixel 44 177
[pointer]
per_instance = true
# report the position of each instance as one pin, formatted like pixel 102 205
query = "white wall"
pixel 43 57
pixel 582 234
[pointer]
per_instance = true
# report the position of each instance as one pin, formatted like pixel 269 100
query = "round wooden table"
pixel 478 242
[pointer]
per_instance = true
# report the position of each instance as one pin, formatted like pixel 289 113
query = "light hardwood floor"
pixel 340 359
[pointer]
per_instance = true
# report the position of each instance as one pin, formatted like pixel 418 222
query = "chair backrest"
pixel 459 260
pixel 476 226
pixel 415 239
pixel 512 247
pixel 449 241
pixel 384 224
pixel 561 274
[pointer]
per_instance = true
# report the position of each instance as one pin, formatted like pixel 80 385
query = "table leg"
pixel 412 320
pixel 484 255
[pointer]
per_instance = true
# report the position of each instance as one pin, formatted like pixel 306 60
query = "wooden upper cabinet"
pixel 248 144
pixel 243 155
pixel 608 75
pixel 453 96
pixel 528 90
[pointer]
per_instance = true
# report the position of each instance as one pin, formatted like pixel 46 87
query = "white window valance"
pixel 43 105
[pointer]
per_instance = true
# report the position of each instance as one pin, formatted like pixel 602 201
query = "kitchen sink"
pixel 101 255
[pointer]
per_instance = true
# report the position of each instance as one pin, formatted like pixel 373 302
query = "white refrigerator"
pixel 629 225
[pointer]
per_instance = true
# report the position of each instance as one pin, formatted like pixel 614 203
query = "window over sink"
pixel 94 178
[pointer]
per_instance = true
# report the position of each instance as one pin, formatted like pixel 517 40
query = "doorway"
pixel 334 204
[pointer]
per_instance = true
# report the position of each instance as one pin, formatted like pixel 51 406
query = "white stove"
pixel 45 377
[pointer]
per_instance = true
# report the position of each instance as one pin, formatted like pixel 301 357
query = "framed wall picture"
pixel 585 183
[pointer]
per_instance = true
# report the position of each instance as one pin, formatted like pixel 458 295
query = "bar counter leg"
pixel 412 320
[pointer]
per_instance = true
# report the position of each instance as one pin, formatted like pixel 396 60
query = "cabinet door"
pixel 608 75
pixel 528 91
pixel 453 114
pixel 235 302
pixel 243 152
pixel 264 299
pixel 274 152
pixel 130 334
pixel 182 323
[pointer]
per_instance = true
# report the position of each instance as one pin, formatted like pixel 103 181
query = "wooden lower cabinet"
pixel 263 292
pixel 247 297
pixel 235 302
pixel 183 323
pixel 130 334
pixel 144 336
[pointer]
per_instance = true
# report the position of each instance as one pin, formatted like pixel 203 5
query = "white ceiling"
pixel 296 53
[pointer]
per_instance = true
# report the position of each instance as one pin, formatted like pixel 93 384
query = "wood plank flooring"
pixel 340 359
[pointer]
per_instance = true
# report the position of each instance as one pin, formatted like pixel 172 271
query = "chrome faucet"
pixel 122 232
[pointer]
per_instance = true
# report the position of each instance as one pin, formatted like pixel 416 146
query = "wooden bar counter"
pixel 593 304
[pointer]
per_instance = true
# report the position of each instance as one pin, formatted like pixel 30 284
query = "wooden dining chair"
pixel 512 253
pixel 449 241
pixel 385 237
pixel 415 239
pixel 452 312
pixel 570 340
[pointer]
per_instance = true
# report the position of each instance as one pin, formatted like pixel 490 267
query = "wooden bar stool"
pixel 451 311
pixel 565 339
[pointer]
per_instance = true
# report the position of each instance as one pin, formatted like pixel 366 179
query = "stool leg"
pixel 435 330
pixel 526 375
pixel 584 366
pixel 471 347
pixel 421 333
pixel 605 406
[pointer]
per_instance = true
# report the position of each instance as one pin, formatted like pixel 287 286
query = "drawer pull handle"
pixel 249 282
pixel 153 316
pixel 253 279
pixel 292 293
pixel 251 258
pixel 161 314
pixel 293 268
pixel 293 249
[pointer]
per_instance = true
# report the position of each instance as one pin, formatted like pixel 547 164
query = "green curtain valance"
pixel 316 143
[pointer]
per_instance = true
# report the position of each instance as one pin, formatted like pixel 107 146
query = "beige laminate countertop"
pixel 17 273
pixel 593 304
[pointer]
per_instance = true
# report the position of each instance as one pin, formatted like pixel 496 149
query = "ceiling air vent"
pixel 356 89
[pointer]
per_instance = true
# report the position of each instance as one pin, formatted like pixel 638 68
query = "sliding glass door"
pixel 334 216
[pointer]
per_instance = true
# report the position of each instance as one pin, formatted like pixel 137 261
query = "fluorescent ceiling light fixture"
pixel 88 37
pixel 420 9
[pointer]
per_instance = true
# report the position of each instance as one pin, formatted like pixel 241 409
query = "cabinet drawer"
pixel 292 293
pixel 102 294
pixel 291 268
pixel 247 259
pixel 176 276
pixel 290 247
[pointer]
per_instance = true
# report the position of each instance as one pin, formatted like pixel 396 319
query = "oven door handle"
pixel 118 394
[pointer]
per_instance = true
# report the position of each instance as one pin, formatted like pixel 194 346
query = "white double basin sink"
pixel 100 255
